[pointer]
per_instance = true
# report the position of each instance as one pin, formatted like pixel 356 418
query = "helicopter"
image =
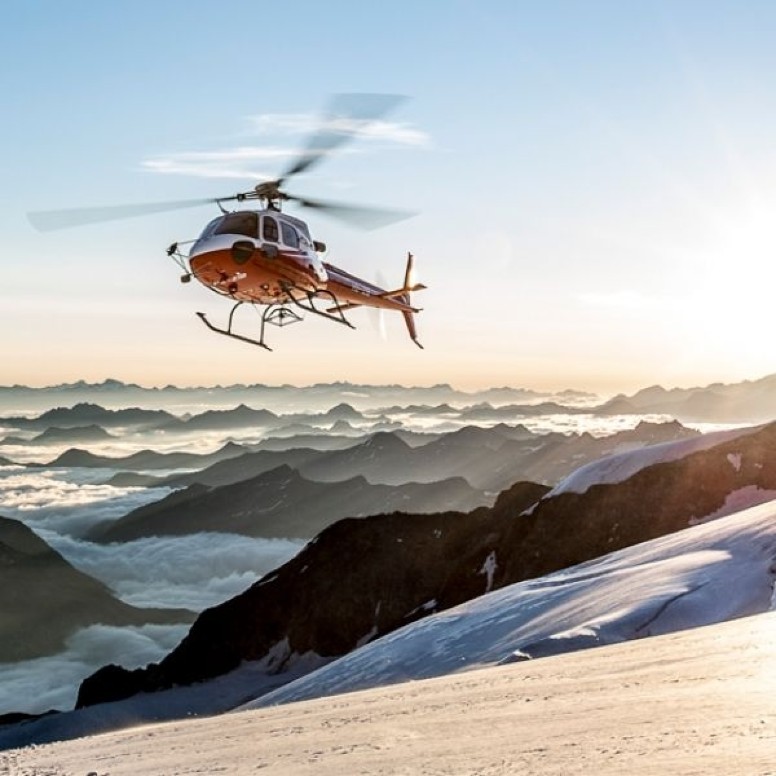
pixel 268 258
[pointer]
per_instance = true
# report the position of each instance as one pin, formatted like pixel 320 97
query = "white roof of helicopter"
pixel 268 211
pixel 297 222
pixel 280 215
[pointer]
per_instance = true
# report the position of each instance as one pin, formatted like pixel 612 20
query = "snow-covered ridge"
pixel 621 466
pixel 704 574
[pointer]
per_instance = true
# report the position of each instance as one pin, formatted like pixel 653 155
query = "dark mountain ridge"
pixel 83 414
pixel 240 416
pixel 54 435
pixel 38 585
pixel 145 459
pixel 490 459
pixel 242 467
pixel 57 435
pixel 280 503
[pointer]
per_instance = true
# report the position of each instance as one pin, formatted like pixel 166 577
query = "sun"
pixel 725 300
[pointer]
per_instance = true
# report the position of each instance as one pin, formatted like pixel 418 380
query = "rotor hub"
pixel 269 190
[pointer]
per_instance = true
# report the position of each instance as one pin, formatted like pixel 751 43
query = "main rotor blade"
pixel 49 220
pixel 347 116
pixel 357 215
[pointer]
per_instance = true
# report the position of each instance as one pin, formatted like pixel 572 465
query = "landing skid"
pixel 280 314
pixel 275 314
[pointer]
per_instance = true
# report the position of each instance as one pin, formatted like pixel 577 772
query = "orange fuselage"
pixel 250 271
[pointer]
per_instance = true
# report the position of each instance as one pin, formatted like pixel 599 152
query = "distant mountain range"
pixel 40 586
pixel 489 459
pixel 92 414
pixel 53 435
pixel 144 459
pixel 87 422
pixel 361 579
pixel 744 402
pixel 280 398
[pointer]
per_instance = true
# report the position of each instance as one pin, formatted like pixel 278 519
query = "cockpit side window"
pixel 290 235
pixel 270 229
pixel 244 223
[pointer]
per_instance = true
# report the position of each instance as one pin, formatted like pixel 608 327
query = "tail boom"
pixel 352 292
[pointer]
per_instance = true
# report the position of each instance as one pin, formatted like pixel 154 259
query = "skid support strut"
pixel 275 314
pixel 281 314
pixel 306 301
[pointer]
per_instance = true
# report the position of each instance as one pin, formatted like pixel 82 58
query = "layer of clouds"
pixel 56 500
pixel 395 133
pixel 239 163
pixel 35 686
pixel 127 444
pixel 262 162
pixel 190 572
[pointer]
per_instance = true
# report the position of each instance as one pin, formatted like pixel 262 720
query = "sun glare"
pixel 727 306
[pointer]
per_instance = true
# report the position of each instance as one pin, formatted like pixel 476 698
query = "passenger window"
pixel 270 227
pixel 290 236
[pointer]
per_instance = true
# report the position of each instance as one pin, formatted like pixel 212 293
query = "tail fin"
pixel 409 319
pixel 409 316
pixel 400 295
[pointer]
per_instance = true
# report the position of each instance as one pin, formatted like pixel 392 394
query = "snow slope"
pixel 704 574
pixel 696 702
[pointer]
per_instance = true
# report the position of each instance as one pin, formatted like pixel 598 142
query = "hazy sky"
pixel 595 183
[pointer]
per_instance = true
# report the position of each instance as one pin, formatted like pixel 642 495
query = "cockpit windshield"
pixel 208 230
pixel 244 223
